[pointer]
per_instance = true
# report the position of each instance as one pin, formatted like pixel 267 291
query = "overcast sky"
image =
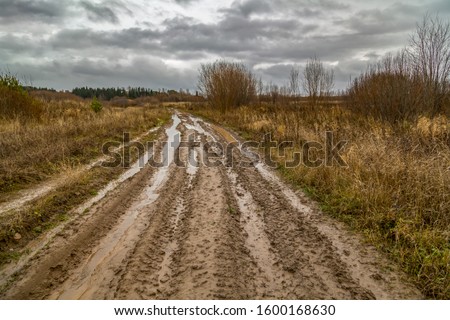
pixel 160 44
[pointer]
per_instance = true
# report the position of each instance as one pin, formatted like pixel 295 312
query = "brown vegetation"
pixel 64 134
pixel 53 145
pixel 227 84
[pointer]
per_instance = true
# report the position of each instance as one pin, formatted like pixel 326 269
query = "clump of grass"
pixel 395 190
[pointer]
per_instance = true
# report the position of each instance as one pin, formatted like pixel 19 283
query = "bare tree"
pixel 260 88
pixel 326 83
pixel 430 54
pixel 317 82
pixel 273 91
pixel 294 81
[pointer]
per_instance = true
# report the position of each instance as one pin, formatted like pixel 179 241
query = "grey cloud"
pixel 13 10
pixel 303 8
pixel 246 8
pixel 184 3
pixel 133 38
pixel 100 12
pixel 396 18
pixel 139 71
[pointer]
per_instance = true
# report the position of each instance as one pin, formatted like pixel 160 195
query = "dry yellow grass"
pixel 67 134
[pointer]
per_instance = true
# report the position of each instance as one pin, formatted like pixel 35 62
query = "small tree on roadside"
pixel 96 106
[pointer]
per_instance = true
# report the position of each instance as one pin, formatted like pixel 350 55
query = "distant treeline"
pixel 110 93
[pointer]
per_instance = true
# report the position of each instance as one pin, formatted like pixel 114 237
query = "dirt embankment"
pixel 206 232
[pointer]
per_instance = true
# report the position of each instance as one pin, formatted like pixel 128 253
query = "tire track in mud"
pixel 190 250
pixel 292 261
pixel 305 259
pixel 269 279
pixel 53 265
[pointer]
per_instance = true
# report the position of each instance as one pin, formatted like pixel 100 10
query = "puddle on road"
pixel 197 127
pixel 115 246
pixel 30 195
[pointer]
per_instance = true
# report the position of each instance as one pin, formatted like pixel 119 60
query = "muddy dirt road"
pixel 202 232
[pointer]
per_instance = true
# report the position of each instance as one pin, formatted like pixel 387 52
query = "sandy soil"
pixel 201 232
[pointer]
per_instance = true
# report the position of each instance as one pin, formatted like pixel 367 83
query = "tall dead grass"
pixel 65 134
pixel 395 190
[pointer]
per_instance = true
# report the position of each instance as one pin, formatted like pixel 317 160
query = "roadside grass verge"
pixel 66 135
pixel 395 189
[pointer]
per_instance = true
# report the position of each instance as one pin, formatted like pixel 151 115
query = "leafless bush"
pixel 294 82
pixel 388 90
pixel 413 82
pixel 226 84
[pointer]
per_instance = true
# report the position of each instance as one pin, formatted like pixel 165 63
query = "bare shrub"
pixel 294 82
pixel 226 84
pixel 388 90
pixel 413 82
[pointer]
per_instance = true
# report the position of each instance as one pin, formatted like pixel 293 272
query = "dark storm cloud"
pixel 23 10
pixel 183 2
pixel 233 34
pixel 98 12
